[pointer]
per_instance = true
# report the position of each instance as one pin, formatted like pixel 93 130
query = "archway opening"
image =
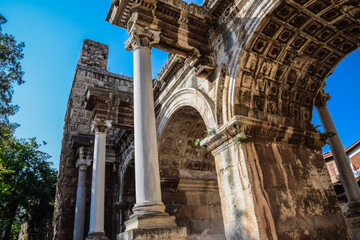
pixel 343 87
pixel 188 176
pixel 127 196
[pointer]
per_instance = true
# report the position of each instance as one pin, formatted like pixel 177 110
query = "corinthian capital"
pixel 82 163
pixel 100 125
pixel 321 98
pixel 141 37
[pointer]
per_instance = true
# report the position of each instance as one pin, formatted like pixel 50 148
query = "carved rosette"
pixel 141 37
pixel 100 125
pixel 321 98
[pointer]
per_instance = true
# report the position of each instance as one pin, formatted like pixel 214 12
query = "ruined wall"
pixel 274 183
pixel 305 208
pixel 90 71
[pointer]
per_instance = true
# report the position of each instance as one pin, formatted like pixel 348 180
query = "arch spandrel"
pixel 277 74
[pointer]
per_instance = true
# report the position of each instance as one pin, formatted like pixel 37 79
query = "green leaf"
pixel 197 142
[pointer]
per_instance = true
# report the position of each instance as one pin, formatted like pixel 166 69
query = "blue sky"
pixel 53 32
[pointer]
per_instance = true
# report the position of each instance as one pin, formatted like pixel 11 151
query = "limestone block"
pixel 201 212
pixel 215 212
pixel 178 233
pixel 354 227
pixel 185 212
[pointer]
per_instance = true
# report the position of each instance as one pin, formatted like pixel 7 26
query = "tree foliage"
pixel 10 73
pixel 27 182
pixel 27 188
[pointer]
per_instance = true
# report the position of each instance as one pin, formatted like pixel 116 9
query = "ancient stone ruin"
pixel 220 145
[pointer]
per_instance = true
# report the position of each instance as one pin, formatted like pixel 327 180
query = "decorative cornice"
pixel 182 26
pixel 261 131
pixel 111 104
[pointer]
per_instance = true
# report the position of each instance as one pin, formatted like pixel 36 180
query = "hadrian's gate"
pixel 243 78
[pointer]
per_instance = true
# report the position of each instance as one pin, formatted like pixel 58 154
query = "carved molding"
pixel 111 104
pixel 260 131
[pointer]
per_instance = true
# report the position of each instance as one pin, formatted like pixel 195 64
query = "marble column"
pixel 96 228
pixel 79 222
pixel 345 170
pixel 149 204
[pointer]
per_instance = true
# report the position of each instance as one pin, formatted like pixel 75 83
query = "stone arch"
pixel 188 175
pixel 186 97
pixel 128 161
pixel 126 185
pixel 280 67
pixel 127 195
pixel 238 25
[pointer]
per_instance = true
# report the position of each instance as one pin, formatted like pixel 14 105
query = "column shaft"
pixel 346 173
pixel 147 177
pixel 98 187
pixel 80 206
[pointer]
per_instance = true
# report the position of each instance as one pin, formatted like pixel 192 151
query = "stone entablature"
pixel 113 105
pixel 254 130
pixel 182 26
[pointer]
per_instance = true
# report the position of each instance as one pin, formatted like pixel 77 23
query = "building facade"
pixel 220 145
pixel 353 153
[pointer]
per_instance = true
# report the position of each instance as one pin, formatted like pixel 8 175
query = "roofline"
pixel 329 154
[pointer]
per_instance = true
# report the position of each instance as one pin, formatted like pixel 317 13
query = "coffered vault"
pixel 242 76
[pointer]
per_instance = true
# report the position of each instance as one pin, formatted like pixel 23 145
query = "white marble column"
pixel 96 228
pixel 346 173
pixel 79 222
pixel 147 177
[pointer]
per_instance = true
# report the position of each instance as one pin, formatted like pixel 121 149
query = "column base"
pixel 354 210
pixel 354 227
pixel 96 236
pixel 150 209
pixel 175 233
pixel 149 221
